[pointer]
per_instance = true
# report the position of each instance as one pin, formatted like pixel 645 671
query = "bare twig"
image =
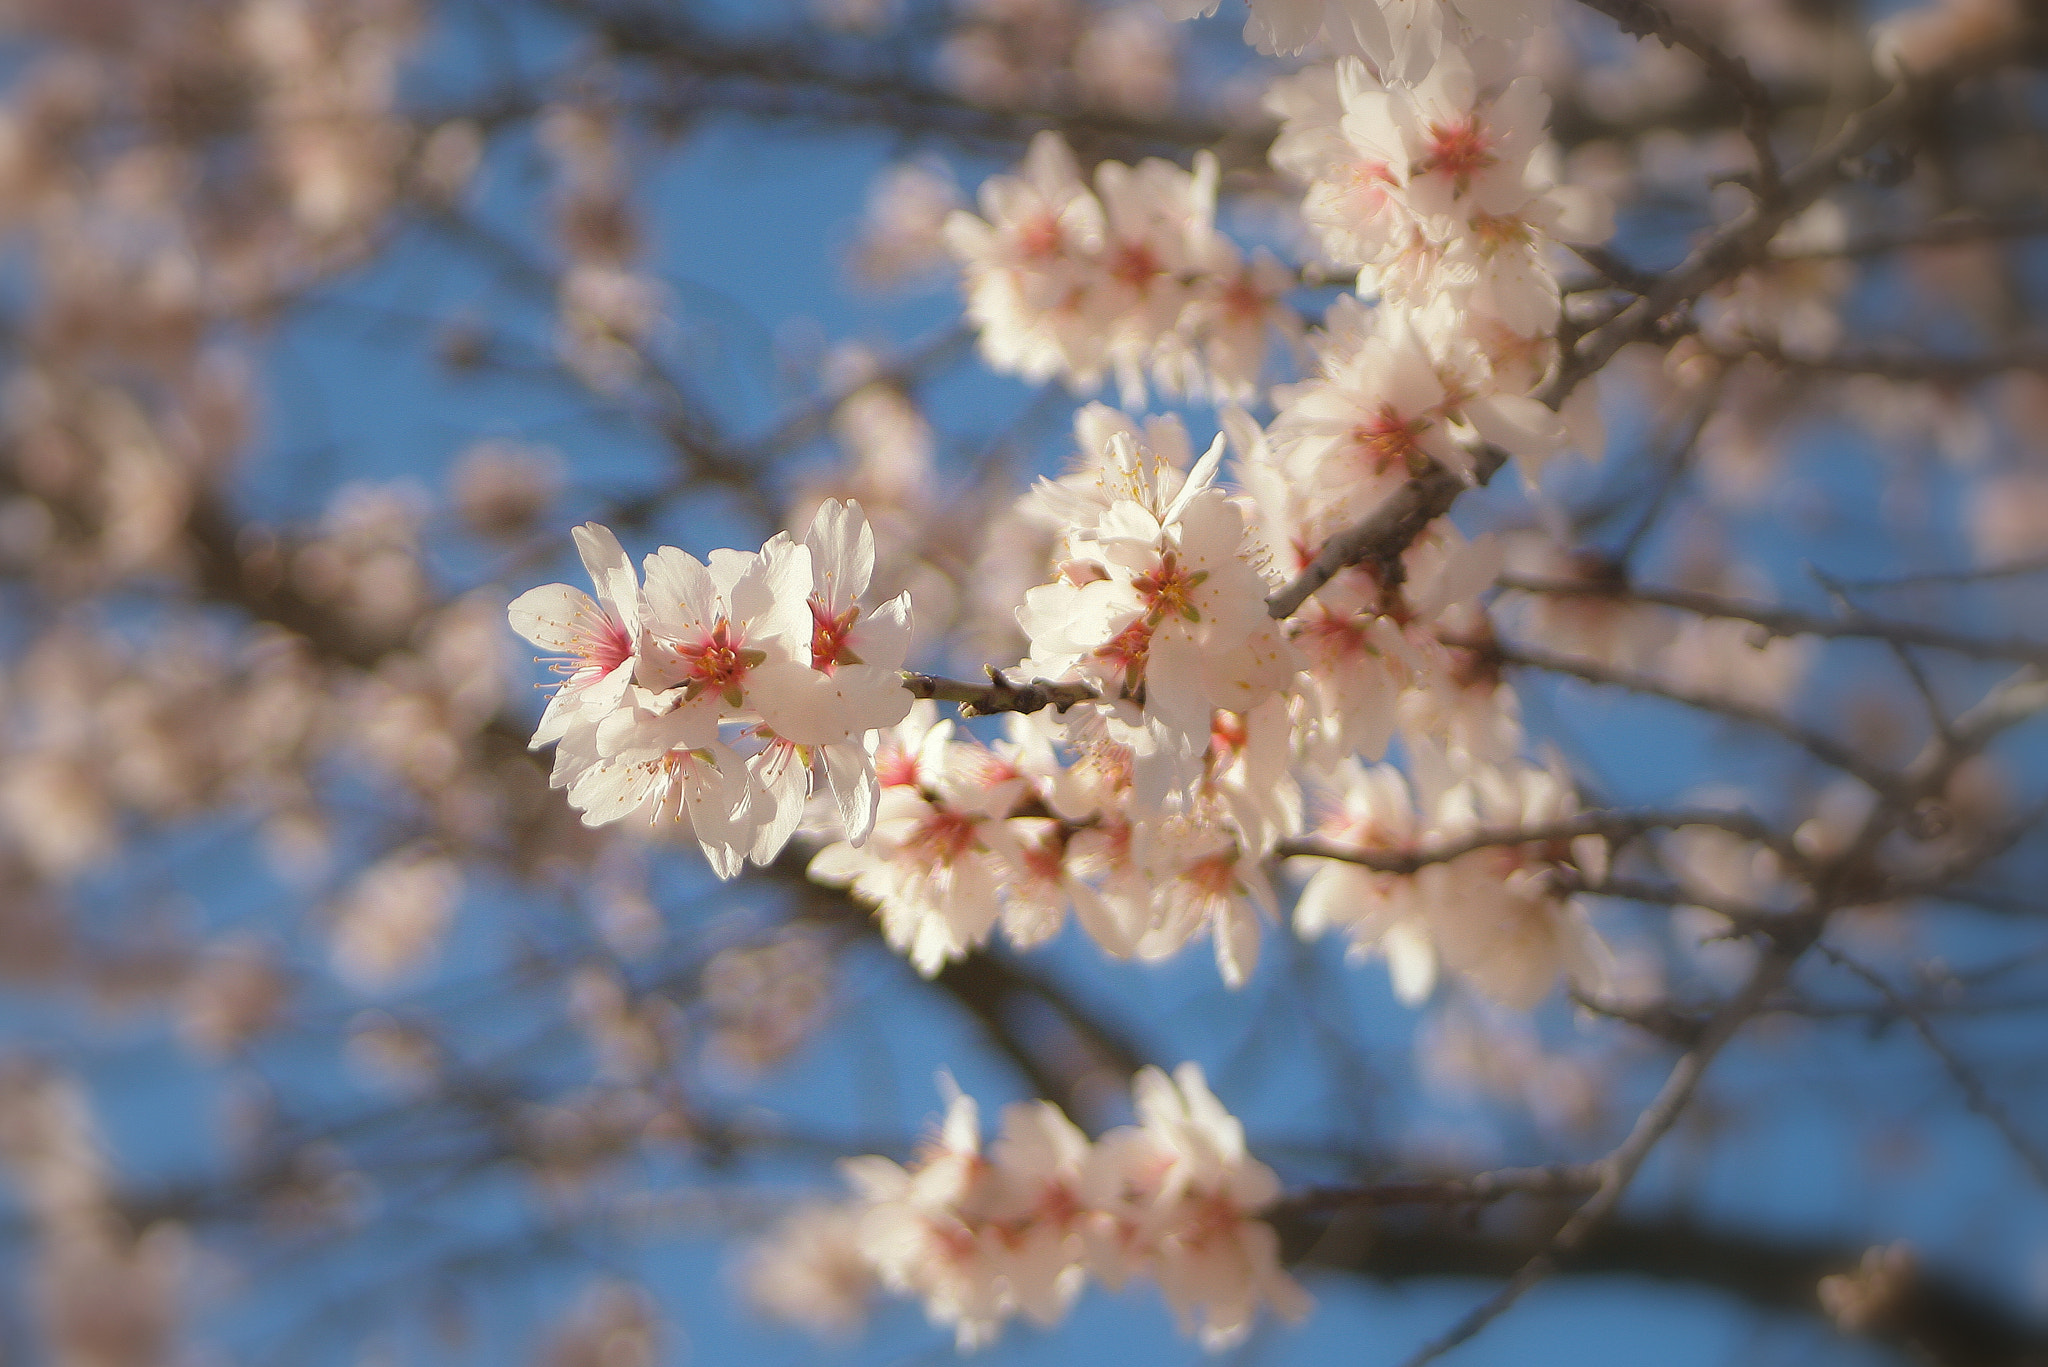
pixel 999 694
pixel 1618 1169
pixel 1790 622
pixel 1645 19
pixel 1484 1188
pixel 1615 826
pixel 1975 1093
pixel 1819 744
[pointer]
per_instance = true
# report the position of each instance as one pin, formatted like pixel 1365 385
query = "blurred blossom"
pixel 857 16
pixel 1127 61
pixel 767 999
pixel 103 1295
pixel 1791 302
pixel 607 316
pixel 318 1190
pixel 2008 517
pixel 1734 660
pixel 1928 37
pixel 449 158
pixel 900 241
pixel 391 921
pixel 571 1145
pixel 809 1271
pixel 234 993
pixel 633 1038
pixel 612 1325
pixel 503 489
pixel 628 920
pixel 1470 1049
pixel 364 564
pixel 392 1054
pixel 1863 1298
pixel 1010 53
pixel 1601 623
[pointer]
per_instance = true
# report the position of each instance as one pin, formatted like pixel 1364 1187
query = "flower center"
pixel 1169 591
pixel 1387 439
pixel 1128 650
pixel 828 637
pixel 942 837
pixel 610 646
pixel 1046 862
pixel 1135 264
pixel 1460 149
pixel 717 662
pixel 1214 876
pixel 1495 231
pixel 1039 238
pixel 1215 1219
pixel 1242 300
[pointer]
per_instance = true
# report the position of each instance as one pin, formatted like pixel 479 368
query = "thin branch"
pixel 1615 826
pixel 1569 1179
pixel 1676 463
pixel 1740 244
pixel 1820 745
pixel 1975 1094
pixel 1644 19
pixel 1790 622
pixel 1941 233
pixel 1618 1169
pixel 999 694
pixel 1389 531
pixel 1926 367
pixel 2011 569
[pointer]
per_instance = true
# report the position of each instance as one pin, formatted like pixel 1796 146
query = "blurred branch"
pixel 1943 1319
pixel 1823 747
pixel 785 77
pixel 1790 622
pixel 1615 826
pixel 1646 19
pixel 1975 1093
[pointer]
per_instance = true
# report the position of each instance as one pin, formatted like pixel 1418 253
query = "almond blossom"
pixel 933 867
pixel 773 649
pixel 1370 809
pixel 1130 278
pixel 849 687
pixel 1160 605
pixel 596 638
pixel 724 692
pixel 981 1235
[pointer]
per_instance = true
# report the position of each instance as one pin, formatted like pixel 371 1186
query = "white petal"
pixel 842 549
pixel 680 597
pixel 602 555
pixel 851 771
pixel 549 616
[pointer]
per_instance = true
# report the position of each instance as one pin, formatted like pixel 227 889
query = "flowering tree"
pixel 1537 670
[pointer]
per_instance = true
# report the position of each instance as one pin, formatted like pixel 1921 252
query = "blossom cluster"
pixel 1152 811
pixel 772 650
pixel 980 1236
pixel 1499 915
pixel 1129 278
pixel 1155 805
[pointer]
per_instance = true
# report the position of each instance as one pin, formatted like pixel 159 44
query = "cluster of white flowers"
pixel 1499 916
pixel 980 1236
pixel 1154 811
pixel 770 650
pixel 1130 278
pixel 1155 804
